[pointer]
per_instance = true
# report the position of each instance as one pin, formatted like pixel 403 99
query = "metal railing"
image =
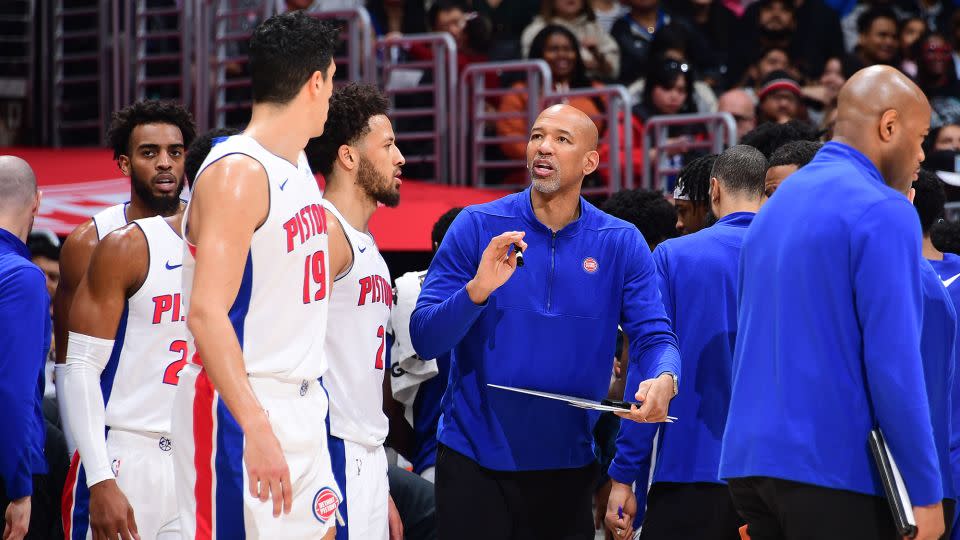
pixel 721 133
pixel 80 70
pixel 472 161
pixel 358 36
pixel 434 78
pixel 616 122
pixel 162 49
pixel 17 68
pixel 232 23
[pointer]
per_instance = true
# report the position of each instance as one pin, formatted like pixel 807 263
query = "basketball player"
pixel 149 139
pixel 358 157
pixel 247 417
pixel 127 344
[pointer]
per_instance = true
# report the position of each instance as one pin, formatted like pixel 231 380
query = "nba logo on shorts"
pixel 325 504
pixel 590 265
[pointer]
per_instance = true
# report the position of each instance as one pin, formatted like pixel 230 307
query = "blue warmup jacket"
pixel 24 340
pixel 698 281
pixel 830 307
pixel 552 326
pixel 949 271
pixel 938 342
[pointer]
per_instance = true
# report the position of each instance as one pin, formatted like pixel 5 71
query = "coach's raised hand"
pixel 496 265
pixel 111 515
pixel 266 466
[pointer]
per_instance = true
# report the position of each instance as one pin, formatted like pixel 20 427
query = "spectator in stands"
pixel 716 24
pixel 668 90
pixel 938 80
pixel 779 99
pixel 766 62
pixel 677 42
pixel 558 47
pixel 946 137
pixel 770 136
pixel 397 16
pixel 608 12
pixel 599 51
pixel 911 29
pixel 877 38
pixel 470 32
pixel 955 33
pixel 821 98
pixel 807 29
pixel 785 161
pixel 936 14
pixel 507 18
pixel 741 106
pixel 634 33
pixel 692 195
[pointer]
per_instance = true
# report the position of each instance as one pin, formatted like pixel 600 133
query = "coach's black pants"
pixel 690 511
pixel 478 503
pixel 780 509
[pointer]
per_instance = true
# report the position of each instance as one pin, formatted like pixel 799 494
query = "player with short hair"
pixel 929 202
pixel 697 275
pixel 149 139
pixel 786 160
pixel 248 413
pixel 360 161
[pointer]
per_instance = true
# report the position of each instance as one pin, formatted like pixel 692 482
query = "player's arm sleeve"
pixel 444 311
pixel 24 306
pixel 635 440
pixel 653 346
pixel 87 357
pixel 885 259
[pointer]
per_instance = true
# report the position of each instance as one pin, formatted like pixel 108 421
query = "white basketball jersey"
pixel 280 312
pixel 110 219
pixel 150 349
pixel 356 348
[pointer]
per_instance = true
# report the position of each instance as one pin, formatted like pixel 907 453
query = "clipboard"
pixel 893 485
pixel 607 405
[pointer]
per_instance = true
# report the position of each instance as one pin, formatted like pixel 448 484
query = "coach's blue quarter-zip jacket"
pixel 552 326
pixel 697 274
pixel 24 342
pixel 830 307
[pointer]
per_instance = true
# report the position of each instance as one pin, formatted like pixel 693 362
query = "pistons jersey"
pixel 357 347
pixel 110 219
pixel 280 312
pixel 150 347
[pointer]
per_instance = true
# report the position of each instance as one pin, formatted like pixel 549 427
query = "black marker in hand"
pixel 516 248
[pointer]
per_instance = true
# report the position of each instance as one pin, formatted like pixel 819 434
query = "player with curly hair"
pixel 112 279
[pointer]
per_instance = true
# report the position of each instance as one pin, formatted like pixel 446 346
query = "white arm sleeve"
pixel 82 403
pixel 60 373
